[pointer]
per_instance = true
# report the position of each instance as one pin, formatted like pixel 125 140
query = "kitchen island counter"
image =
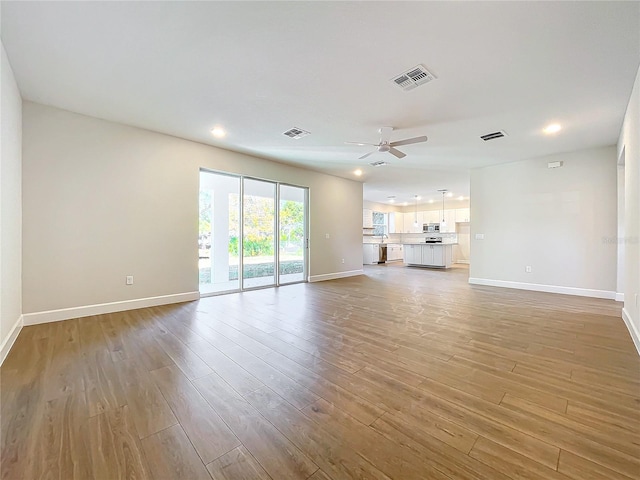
pixel 439 255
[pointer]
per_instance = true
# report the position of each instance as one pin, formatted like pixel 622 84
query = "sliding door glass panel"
pixel 259 238
pixel 219 230
pixel 292 251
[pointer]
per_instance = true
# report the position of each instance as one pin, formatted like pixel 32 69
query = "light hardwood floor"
pixel 402 373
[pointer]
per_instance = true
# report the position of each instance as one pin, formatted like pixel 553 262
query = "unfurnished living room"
pixel 320 240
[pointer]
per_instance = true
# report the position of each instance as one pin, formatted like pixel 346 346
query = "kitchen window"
pixel 379 224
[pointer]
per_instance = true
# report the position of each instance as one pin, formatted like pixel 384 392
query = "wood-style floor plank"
pixel 511 463
pixel 232 373
pixel 238 464
pixel 114 447
pixel 331 453
pixel 278 456
pixel 171 455
pixel 207 432
pixel 149 409
pixel 401 373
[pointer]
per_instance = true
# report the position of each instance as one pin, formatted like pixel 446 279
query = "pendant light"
pixel 415 218
pixel 443 224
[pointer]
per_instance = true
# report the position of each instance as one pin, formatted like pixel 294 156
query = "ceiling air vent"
pixel 379 163
pixel 296 133
pixel 410 79
pixel 493 136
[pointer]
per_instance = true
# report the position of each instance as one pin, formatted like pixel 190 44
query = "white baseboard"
pixel 10 339
pixel 582 292
pixel 633 330
pixel 619 297
pixel 98 309
pixel 333 276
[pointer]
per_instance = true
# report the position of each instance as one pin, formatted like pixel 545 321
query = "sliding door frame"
pixel 276 268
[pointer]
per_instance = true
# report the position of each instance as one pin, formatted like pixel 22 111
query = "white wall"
pixel 562 222
pixel 104 200
pixel 10 208
pixel 629 142
pixel 380 207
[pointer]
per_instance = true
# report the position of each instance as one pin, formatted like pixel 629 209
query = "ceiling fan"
pixel 386 146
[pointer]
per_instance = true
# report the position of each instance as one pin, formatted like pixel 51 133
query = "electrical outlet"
pixel 343 260
pixel 527 269
pixel 129 279
pixel 326 235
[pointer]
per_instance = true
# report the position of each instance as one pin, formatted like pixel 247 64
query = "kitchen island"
pixel 438 255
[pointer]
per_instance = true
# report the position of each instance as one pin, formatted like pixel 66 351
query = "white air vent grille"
pixel 296 133
pixel 410 79
pixel 493 136
pixel 379 163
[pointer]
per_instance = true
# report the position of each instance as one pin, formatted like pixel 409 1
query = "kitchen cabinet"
pixel 428 255
pixel 413 254
pixel 431 216
pixel 404 222
pixel 410 222
pixel 433 255
pixel 367 218
pixel 450 219
pixel 407 224
pixel 394 252
pixel 401 222
pixel 463 215
pixel 370 253
pixel 392 222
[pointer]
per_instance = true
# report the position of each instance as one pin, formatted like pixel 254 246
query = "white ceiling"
pixel 260 68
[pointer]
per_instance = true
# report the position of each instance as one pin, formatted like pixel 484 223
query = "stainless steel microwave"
pixel 431 228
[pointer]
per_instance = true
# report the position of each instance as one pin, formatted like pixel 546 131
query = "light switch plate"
pixel 479 236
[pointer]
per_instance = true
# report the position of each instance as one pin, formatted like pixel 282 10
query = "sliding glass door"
pixel 292 227
pixel 253 233
pixel 219 230
pixel 259 233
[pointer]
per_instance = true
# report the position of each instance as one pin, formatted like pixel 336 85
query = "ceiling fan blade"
pixel 363 144
pixel 397 153
pixel 385 134
pixel 409 141
pixel 366 155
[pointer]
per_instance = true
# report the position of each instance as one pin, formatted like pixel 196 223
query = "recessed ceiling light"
pixel 460 197
pixel 418 197
pixel 218 132
pixel 431 201
pixel 553 128
pixel 392 198
pixel 450 194
pixel 358 172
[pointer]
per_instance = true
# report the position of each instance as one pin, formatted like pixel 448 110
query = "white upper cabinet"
pixel 463 215
pixel 392 222
pixel 399 222
pixel 432 216
pixel 367 218
pixel 450 219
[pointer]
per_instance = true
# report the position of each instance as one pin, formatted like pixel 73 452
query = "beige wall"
pixel 561 222
pixel 10 208
pixel 629 143
pixel 104 200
